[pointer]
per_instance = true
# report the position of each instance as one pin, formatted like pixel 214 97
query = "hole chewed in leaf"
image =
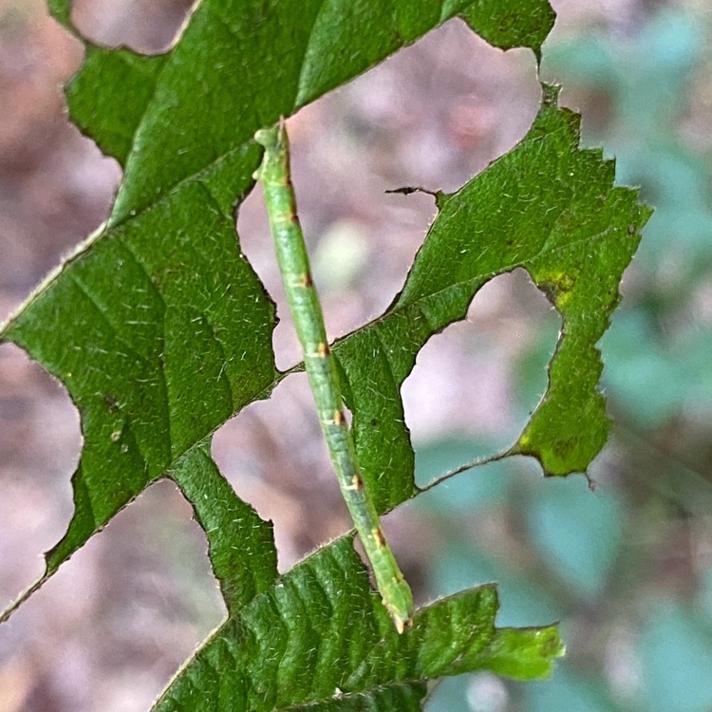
pixel 273 455
pixel 161 331
pixel 145 26
pixel 256 245
pixel 132 604
pixel 39 443
pixel 432 114
pixel 481 378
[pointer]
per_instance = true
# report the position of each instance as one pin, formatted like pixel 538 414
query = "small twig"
pixel 478 462
pixel 410 189
pixel 7 613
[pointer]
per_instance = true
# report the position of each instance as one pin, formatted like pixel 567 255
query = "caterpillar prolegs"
pixel 321 369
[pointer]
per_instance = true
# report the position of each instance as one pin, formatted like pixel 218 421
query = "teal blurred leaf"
pixel 706 595
pixel 531 366
pixel 476 491
pixel 676 654
pixel 450 694
pixel 577 532
pixel 661 380
pixel 523 601
pixel 585 60
pixel 568 691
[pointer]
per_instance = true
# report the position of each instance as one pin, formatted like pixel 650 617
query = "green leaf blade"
pixel 511 23
pixel 161 331
pixel 547 207
pixel 401 697
pixel 321 638
pixel 242 550
pixel 110 112
pixel 150 353
pixel 158 326
pixel 523 653
pixel 332 42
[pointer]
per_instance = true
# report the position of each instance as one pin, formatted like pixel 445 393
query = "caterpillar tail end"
pixel 396 596
pixel 401 623
pixel 401 612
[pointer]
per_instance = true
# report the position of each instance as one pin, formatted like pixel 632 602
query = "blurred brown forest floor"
pixel 108 631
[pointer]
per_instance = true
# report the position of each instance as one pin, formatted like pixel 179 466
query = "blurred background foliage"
pixel 627 568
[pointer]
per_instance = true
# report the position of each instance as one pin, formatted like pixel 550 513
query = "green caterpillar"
pixel 321 369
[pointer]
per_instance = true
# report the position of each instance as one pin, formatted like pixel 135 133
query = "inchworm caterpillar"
pixel 322 370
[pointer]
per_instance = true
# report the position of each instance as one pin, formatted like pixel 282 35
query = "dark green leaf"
pixel 550 208
pixel 158 326
pixel 322 632
pixel 242 550
pixel 161 331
